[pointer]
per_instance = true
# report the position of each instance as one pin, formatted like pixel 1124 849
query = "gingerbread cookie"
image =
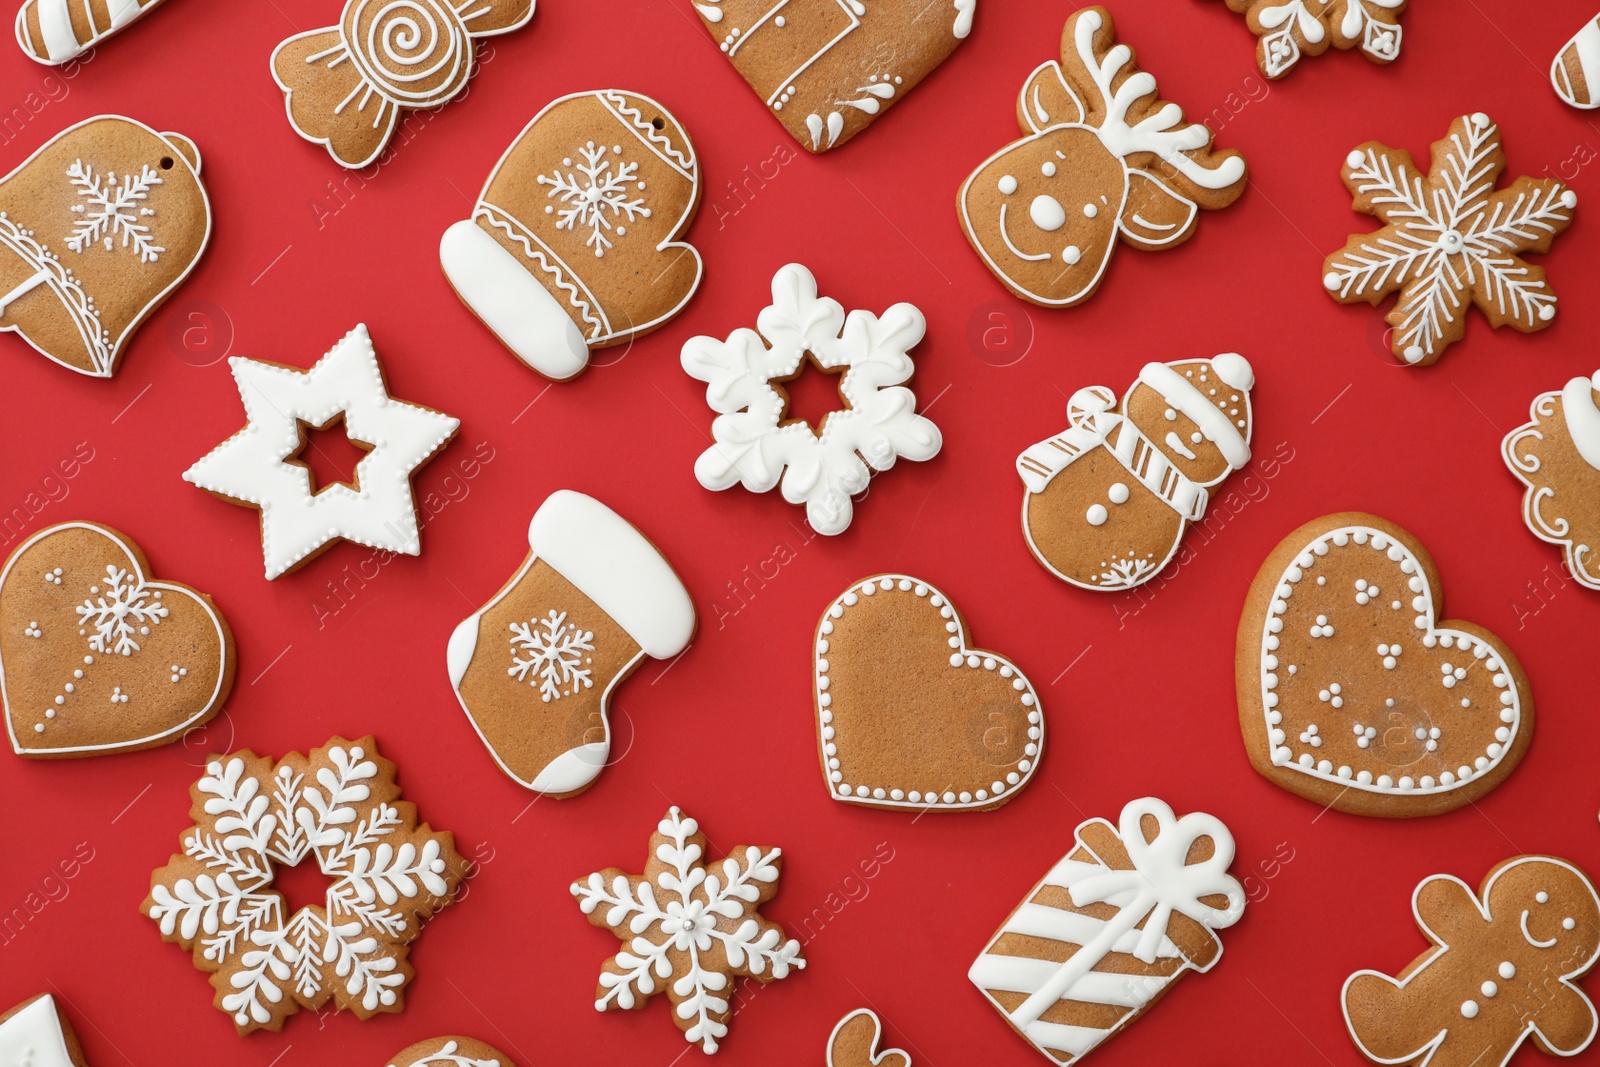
pixel 855 1042
pixel 1449 240
pixel 259 466
pixel 54 32
pixel 1109 499
pixel 347 86
pixel 338 806
pixel 97 228
pixel 96 656
pixel 1352 692
pixel 34 1034
pixel 1575 72
pixel 910 717
pixel 1501 969
pixel 1104 159
pixel 1557 456
pixel 756 442
pixel 690 928
pixel 450 1052
pixel 573 244
pixel 1290 29
pixel 535 667
pixel 826 68
pixel 1129 911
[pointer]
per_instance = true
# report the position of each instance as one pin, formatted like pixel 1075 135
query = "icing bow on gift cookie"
pixel 346 85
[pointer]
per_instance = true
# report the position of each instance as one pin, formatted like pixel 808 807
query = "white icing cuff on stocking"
pixel 573 769
pixel 511 302
pixel 33 1036
pixel 463 643
pixel 613 565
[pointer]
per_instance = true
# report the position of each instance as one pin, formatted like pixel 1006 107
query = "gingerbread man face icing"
pixel 1501 970
pixel 1557 456
pixel 1105 160
pixel 1108 500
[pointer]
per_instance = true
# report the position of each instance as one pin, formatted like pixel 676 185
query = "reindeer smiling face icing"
pixel 1106 158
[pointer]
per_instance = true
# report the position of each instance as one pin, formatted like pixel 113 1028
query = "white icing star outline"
pixel 251 466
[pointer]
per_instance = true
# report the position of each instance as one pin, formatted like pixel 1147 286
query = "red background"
pixel 1138 690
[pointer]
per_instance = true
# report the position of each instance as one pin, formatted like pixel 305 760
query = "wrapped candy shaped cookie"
pixel 1109 499
pixel 97 228
pixel 346 86
pixel 573 244
pixel 57 31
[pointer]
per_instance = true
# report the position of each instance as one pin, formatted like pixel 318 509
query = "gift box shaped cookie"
pixel 97 228
pixel 573 244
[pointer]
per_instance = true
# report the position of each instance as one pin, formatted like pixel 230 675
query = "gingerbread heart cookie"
pixel 828 68
pixel 95 655
pixel 573 244
pixel 855 1042
pixel 450 1052
pixel 910 717
pixel 1353 694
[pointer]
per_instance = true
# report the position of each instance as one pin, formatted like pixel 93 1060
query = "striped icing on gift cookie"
pixel 1353 693
pixel 1575 72
pixel 1556 454
pixel 1130 910
pixel 57 31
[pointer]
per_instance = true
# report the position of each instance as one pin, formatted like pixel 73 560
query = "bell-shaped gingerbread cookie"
pixel 1108 499
pixel 535 667
pixel 97 228
pixel 573 244
pixel 58 31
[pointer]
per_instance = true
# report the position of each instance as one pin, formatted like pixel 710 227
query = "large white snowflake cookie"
pixel 689 928
pixel 338 807
pixel 756 443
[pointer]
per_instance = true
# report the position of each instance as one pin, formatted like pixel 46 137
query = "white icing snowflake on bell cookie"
pixel 755 442
pixel 1451 240
pixel 254 466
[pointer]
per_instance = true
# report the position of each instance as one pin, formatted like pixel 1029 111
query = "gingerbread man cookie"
pixel 1556 454
pixel 1501 970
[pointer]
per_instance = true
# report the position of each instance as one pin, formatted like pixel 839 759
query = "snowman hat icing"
pixel 1182 393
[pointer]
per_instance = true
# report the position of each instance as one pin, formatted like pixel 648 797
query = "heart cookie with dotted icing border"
pixel 910 717
pixel 96 656
pixel 1353 695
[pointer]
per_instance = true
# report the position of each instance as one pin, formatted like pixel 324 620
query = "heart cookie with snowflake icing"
pixel 1352 693
pixel 95 655
pixel 910 717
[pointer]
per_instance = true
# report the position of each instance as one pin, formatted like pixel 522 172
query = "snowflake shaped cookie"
pixel 687 930
pixel 755 442
pixel 1290 29
pixel 255 466
pixel 339 806
pixel 599 196
pixel 1450 237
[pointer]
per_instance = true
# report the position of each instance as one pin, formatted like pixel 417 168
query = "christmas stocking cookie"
pixel 97 228
pixel 573 244
pixel 1108 500
pixel 34 1034
pixel 57 31
pixel 1501 969
pixel 535 667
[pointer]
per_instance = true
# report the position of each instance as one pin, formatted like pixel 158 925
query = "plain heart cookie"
pixel 909 716
pixel 1354 695
pixel 96 656
pixel 856 1040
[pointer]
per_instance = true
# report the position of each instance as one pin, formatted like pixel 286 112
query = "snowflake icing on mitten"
pixel 1450 237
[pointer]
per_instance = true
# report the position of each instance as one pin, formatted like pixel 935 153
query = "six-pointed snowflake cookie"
pixel 755 441
pixel 1450 238
pixel 689 928
pixel 338 806
pixel 257 466
pixel 35 1034
pixel 1290 29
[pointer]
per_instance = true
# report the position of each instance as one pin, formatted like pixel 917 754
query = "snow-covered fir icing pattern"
pixel 110 211
pixel 1451 239
pixel 1125 572
pixel 1411 605
pixel 1343 23
pixel 378 891
pixel 552 654
pixel 597 196
pixel 755 447
pixel 125 610
pixel 688 931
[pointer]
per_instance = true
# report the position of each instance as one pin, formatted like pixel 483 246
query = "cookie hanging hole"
pixel 166 162
pixel 811 394
pixel 330 455
pixel 659 123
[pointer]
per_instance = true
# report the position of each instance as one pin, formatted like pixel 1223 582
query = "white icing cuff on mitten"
pixel 511 302
pixel 613 565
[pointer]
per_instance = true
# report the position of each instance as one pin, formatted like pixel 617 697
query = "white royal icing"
pixel 33 1037
pixel 1546 511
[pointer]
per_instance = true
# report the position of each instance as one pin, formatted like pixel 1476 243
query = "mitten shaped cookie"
pixel 97 228
pixel 58 31
pixel 1501 970
pixel 535 667
pixel 573 244
pixel 1108 500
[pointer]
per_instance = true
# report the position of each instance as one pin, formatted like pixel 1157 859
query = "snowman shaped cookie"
pixel 1109 498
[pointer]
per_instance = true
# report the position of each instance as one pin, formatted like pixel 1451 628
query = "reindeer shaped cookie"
pixel 1105 158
